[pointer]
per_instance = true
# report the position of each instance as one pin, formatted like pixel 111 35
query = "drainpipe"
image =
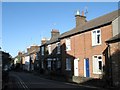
pixel 110 64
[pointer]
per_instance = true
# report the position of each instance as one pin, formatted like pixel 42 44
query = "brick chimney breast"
pixel 80 19
pixel 54 33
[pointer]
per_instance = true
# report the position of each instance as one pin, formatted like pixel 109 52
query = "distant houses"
pixel 25 60
pixel 80 52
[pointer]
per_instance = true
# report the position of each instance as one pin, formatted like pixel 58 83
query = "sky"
pixel 26 23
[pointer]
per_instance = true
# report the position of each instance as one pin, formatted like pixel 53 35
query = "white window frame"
pixel 95 37
pixel 32 57
pixel 68 44
pixel 58 47
pixel 96 69
pixel 49 49
pixel 37 57
pixel 42 50
pixel 68 64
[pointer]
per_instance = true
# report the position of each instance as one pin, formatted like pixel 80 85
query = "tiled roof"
pixel 53 40
pixel 114 39
pixel 103 20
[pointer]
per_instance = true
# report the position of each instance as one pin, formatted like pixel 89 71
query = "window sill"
pixel 68 69
pixel 97 72
pixel 67 50
pixel 96 45
pixel 58 53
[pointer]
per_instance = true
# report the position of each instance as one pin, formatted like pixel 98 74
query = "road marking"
pixel 21 82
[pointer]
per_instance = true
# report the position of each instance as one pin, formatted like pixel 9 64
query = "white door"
pixel 75 67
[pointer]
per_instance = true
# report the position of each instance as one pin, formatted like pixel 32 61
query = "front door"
pixel 75 67
pixel 86 67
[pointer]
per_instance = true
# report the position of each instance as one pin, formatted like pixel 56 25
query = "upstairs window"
pixel 49 49
pixel 37 56
pixel 96 37
pixel 68 45
pixel 58 47
pixel 42 50
pixel 32 57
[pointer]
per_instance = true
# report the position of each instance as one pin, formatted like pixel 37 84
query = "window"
pixel 68 47
pixel 49 49
pixel 97 64
pixel 42 50
pixel 37 65
pixel 37 57
pixel 32 57
pixel 96 37
pixel 58 63
pixel 49 63
pixel 68 64
pixel 58 48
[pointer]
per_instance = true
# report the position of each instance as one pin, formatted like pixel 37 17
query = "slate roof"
pixel 92 24
pixel 114 39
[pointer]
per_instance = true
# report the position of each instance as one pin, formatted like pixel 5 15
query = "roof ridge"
pixel 96 22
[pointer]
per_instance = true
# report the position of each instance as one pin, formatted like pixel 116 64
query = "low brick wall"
pixel 79 79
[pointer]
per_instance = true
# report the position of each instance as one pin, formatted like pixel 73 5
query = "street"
pixel 28 81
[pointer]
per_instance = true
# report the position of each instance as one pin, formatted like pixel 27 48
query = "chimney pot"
pixel 80 19
pixel 82 13
pixel 78 12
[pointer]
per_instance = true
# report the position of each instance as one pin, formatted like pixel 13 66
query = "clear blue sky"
pixel 24 24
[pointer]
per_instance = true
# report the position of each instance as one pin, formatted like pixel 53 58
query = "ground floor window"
pixel 97 64
pixel 68 64
pixel 49 64
pixel 58 64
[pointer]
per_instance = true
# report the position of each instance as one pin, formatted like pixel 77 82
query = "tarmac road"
pixel 28 81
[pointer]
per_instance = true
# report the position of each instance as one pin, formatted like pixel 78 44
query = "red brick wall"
pixel 81 47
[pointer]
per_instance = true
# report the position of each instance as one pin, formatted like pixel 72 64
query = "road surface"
pixel 28 81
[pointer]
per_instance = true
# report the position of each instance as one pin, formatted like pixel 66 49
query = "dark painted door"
pixel 87 67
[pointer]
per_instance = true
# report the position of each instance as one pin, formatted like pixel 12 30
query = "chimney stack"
pixel 54 33
pixel 43 41
pixel 80 19
pixel 28 49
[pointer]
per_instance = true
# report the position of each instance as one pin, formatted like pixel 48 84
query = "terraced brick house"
pixel 43 55
pixel 53 58
pixel 82 47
